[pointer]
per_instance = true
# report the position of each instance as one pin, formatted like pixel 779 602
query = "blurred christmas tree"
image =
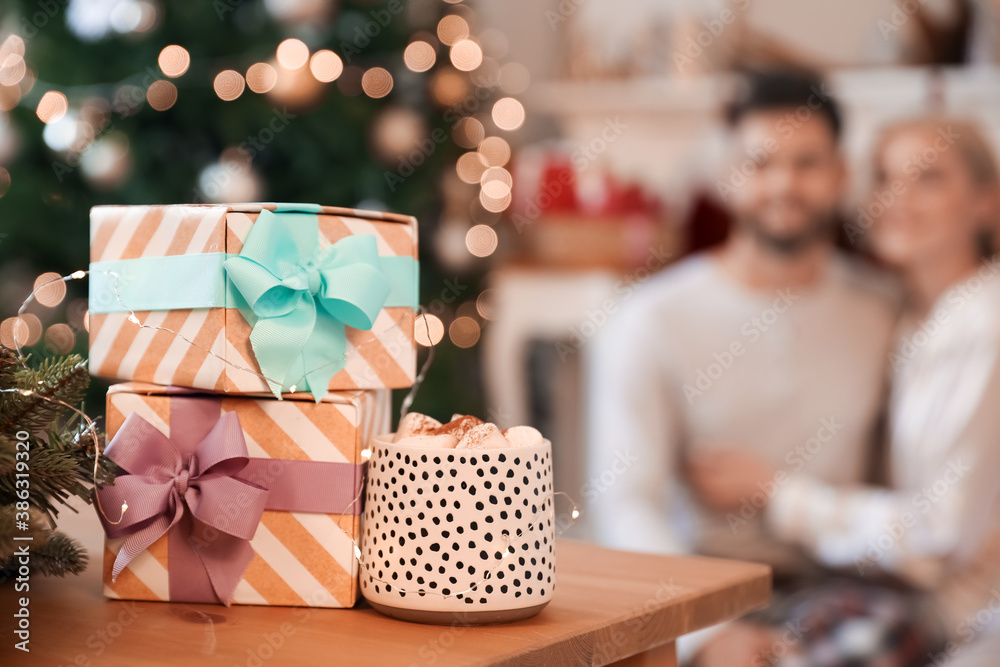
pixel 46 457
pixel 342 102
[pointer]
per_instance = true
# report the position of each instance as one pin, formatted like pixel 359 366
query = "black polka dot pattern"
pixel 454 530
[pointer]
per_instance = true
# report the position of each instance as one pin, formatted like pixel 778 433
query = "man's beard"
pixel 819 228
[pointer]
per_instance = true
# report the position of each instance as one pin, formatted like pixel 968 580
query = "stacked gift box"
pixel 257 345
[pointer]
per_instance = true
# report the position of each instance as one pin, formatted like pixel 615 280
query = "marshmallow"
pixel 414 423
pixel 523 436
pixel 458 427
pixel 444 441
pixel 483 436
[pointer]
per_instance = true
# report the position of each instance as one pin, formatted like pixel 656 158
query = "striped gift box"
pixel 209 348
pixel 301 559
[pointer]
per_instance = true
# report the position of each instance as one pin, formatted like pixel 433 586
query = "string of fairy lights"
pixel 460 67
pixel 77 119
pixel 50 283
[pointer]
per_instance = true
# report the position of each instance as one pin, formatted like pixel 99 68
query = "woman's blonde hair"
pixel 976 152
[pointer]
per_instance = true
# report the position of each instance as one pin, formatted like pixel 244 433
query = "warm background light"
pixel 428 323
pixel 261 77
pixel 466 55
pixel 464 332
pixel 495 151
pixel 292 53
pixel 326 66
pixel 452 29
pixel 377 82
pixel 508 114
pixel 174 60
pixel 52 106
pixel 60 338
pixel 468 132
pixel 419 56
pixel 449 88
pixel 486 304
pixel 229 85
pixel 12 69
pixel 49 289
pixel 470 167
pixel 161 95
pixel 481 240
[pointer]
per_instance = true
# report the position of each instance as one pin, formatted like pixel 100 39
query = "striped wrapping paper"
pixel 221 358
pixel 301 559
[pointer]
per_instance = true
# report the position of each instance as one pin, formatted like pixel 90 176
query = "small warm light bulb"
pixel 575 514
pixel 366 454
pixel 76 275
pixel 133 319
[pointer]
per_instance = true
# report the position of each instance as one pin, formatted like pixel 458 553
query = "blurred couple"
pixel 791 405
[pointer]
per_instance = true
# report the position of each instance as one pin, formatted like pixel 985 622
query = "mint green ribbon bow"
pixel 302 296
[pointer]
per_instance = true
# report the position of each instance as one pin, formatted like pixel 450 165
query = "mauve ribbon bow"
pixel 188 480
pixel 303 296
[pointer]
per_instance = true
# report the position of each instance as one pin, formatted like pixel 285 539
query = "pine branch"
pixel 8 364
pixel 53 475
pixel 60 556
pixel 64 379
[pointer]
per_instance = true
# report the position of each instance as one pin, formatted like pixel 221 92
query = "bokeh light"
pixel 292 53
pixel 174 60
pixel 466 55
pixel 52 106
pixel 229 85
pixel 12 45
pixel 419 56
pixel 498 174
pixel 481 240
pixel 495 151
pixel 486 304
pixel 508 114
pixel 261 77
pixel 60 338
pixel 161 95
pixel 452 29
pixel 12 69
pixel 10 96
pixel 492 203
pixel 470 167
pixel 464 332
pixel 13 333
pixel 468 132
pixel 449 88
pixel 377 82
pixel 428 324
pixel 326 66
pixel 50 289
pixel 20 331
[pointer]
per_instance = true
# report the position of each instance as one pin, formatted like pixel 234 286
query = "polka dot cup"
pixel 458 535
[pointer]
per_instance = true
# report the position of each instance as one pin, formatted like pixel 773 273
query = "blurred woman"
pixel 935 211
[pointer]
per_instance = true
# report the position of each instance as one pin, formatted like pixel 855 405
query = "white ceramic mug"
pixel 458 535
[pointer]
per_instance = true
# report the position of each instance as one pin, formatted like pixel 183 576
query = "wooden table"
pixel 609 606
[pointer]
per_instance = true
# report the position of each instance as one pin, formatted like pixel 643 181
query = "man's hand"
pixel 723 479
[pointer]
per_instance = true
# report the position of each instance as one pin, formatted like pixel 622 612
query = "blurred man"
pixel 774 341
